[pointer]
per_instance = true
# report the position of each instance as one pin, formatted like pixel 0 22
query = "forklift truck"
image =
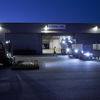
pixel 6 53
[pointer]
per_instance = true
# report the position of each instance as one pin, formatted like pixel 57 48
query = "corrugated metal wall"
pixel 88 38
pixel 26 42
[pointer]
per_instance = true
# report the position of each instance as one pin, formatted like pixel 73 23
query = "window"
pixel 96 46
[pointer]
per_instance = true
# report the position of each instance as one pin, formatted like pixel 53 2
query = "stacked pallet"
pixel 20 65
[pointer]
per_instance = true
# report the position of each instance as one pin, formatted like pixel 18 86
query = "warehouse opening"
pixel 62 44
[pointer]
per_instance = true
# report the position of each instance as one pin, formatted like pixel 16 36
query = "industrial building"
pixel 41 38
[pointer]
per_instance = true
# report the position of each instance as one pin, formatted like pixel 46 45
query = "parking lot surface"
pixel 59 78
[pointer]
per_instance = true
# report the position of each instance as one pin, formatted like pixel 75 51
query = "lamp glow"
pixel 46 28
pixel 95 28
pixel 0 28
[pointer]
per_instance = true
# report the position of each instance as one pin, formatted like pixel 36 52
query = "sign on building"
pixel 57 26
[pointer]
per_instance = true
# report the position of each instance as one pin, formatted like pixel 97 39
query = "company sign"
pixel 57 26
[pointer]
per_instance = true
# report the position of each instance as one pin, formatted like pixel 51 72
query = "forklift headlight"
pixel 7 54
pixel 76 50
pixel 7 42
pixel 63 42
pixel 82 51
pixel 88 54
pixel 67 49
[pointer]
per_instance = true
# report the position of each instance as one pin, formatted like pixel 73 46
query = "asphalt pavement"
pixel 59 78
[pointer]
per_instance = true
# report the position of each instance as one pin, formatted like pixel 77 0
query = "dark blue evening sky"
pixel 48 11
